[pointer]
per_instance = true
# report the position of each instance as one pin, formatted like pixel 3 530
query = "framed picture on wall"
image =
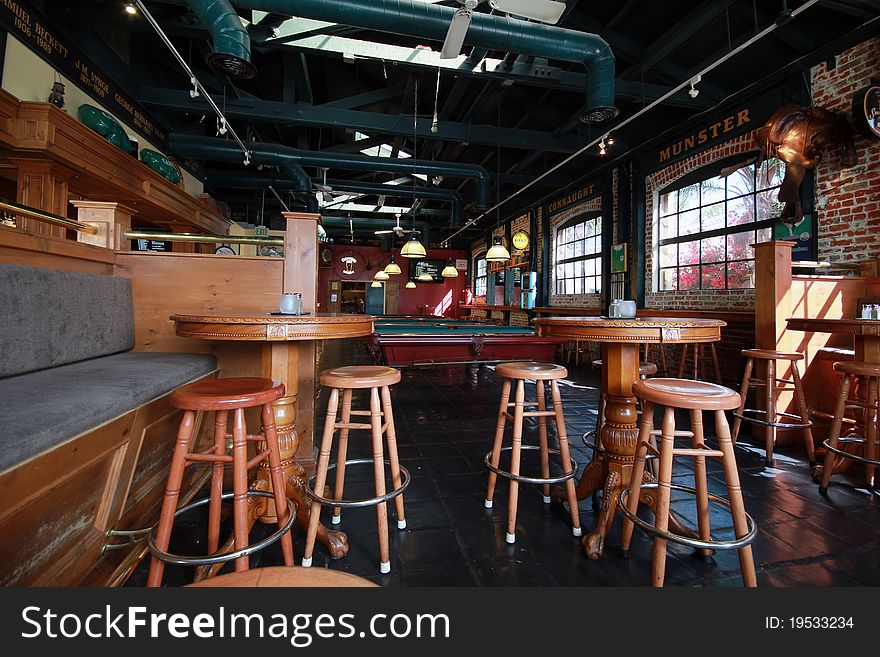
pixel 618 258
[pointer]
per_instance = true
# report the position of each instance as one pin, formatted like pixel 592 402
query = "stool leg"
pixel 342 455
pixel 743 391
pixel 638 473
pixel 565 453
pixel 701 484
pixel 734 492
pixel 220 418
pixel 715 363
pixel 278 487
pixel 804 413
pixel 542 439
pixel 499 440
pixel 172 493
pixel 667 445
pixel 391 437
pixel 683 363
pixel 515 453
pixel 871 430
pixel 834 432
pixel 770 405
pixel 321 474
pixel 699 368
pixel 663 359
pixel 379 469
pixel 239 487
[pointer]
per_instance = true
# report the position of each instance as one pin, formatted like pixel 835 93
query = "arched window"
pixel 480 276
pixel 708 222
pixel 578 255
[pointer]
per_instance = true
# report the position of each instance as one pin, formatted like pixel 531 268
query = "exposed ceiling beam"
pixel 381 95
pixel 265 111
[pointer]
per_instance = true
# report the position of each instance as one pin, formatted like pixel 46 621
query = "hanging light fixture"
pixel 392 267
pixel 426 277
pixel 376 284
pixel 413 248
pixel 497 253
pixel 449 271
pixel 381 275
pixel 411 285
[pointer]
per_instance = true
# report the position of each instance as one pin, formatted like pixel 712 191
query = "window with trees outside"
pixel 707 226
pixel 578 256
pixel 480 277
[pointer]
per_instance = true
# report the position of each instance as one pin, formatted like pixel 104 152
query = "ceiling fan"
pixel 398 230
pixel 546 11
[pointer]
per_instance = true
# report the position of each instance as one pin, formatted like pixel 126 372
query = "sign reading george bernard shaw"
pixel 30 27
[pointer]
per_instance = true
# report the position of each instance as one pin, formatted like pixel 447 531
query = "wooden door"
pixel 392 297
pixel 334 297
pixel 375 300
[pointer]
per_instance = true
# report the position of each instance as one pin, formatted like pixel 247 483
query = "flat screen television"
pixel 432 267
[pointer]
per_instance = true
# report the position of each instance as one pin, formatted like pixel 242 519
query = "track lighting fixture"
pixel 694 92
pixel 130 9
pixel 602 146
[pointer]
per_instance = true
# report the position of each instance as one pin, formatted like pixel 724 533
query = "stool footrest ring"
pixel 210 560
pixel 779 425
pixel 532 480
pixel 345 504
pixel 687 540
pixel 851 440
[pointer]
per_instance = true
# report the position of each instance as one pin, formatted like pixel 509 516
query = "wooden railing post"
pixel 111 219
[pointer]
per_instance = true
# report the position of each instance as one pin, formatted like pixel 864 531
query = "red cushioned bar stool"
pixel 377 380
pixel 540 373
pixel 224 396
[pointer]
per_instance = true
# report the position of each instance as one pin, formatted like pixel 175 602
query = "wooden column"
pixel 42 184
pixel 301 257
pixel 301 275
pixel 773 307
pixel 111 220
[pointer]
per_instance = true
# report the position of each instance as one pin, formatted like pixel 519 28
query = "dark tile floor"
pixel 445 418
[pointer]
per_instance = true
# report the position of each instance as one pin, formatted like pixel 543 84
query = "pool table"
pixel 406 344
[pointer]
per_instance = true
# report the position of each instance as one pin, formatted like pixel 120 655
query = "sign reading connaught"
pixel 29 26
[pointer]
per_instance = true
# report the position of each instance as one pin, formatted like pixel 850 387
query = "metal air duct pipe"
pixel 430 21
pixel 232 44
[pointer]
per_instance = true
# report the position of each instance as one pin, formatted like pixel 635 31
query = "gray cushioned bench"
pixel 65 364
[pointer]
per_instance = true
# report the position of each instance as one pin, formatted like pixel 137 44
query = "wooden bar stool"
pixel 699 364
pixel 223 396
pixel 696 397
pixel 772 385
pixel 539 373
pixel 647 352
pixel 867 376
pixel 376 379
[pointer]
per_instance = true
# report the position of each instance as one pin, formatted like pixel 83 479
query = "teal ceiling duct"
pixel 235 180
pixel 215 149
pixel 496 32
pixel 232 44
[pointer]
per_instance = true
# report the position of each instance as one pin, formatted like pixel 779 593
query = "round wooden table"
pixel 289 356
pixel 286 577
pixel 610 469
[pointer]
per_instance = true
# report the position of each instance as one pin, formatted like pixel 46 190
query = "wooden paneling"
pixel 168 283
pixel 17 248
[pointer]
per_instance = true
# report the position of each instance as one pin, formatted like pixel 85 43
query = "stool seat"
pixel 684 393
pixel 857 368
pixel 645 369
pixel 358 377
pixel 285 577
pixel 534 371
pixel 227 394
pixel 770 354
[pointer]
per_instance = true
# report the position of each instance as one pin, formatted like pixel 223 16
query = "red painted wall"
pixel 445 298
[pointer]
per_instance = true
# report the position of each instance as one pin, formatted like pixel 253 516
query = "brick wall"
pixel 848 199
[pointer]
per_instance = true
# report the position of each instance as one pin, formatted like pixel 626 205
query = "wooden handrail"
pixel 204 239
pixel 47 217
